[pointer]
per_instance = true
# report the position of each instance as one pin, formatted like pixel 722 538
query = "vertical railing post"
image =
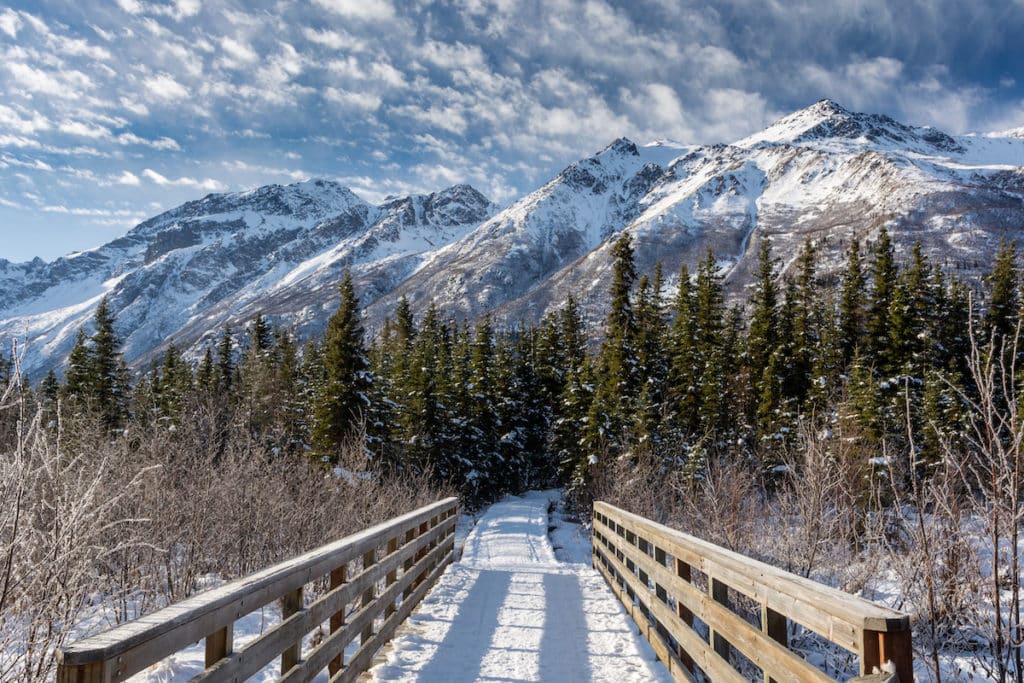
pixel 775 626
pixel 683 572
pixel 880 647
pixel 219 645
pixel 369 559
pixel 291 603
pixel 338 578
pixel 410 536
pixel 392 576
pixel 660 593
pixel 719 592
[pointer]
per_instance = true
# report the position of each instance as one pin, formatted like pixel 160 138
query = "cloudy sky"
pixel 113 110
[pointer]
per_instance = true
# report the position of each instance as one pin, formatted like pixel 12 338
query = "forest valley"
pixel 862 429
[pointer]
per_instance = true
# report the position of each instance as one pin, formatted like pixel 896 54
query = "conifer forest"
pixel 862 425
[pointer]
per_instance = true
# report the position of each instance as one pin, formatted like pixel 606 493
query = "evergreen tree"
pixel 763 336
pixel 1003 299
pixel 883 286
pixel 78 376
pixel 852 298
pixel 225 367
pixel 261 336
pixel 618 387
pixel 343 400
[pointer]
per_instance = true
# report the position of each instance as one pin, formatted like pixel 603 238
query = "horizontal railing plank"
pixel 129 648
pixel 721 562
pixel 240 665
pixel 632 554
pixel 780 662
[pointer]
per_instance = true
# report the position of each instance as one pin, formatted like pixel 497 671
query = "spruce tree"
pixel 852 300
pixel 763 335
pixel 1003 294
pixel 225 366
pixel 883 285
pixel 343 400
pixel 78 376
pixel 618 387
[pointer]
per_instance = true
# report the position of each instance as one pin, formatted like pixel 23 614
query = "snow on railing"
pixel 652 569
pixel 397 562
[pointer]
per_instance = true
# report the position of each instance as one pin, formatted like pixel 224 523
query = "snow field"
pixel 511 611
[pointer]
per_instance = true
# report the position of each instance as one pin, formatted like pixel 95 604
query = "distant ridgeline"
pixel 880 353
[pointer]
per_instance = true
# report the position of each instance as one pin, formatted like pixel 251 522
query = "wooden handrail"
pixel 649 566
pixel 406 554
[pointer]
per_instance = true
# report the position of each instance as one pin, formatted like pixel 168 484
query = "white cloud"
pixel 19 141
pixel 336 40
pixel 353 100
pixel 84 130
pixel 208 184
pixel 134 106
pixel 12 120
pixel 130 6
pixel 161 143
pixel 126 178
pixel 360 9
pixel 81 211
pixel 164 87
pixel 45 82
pixel 9 22
pixel 239 53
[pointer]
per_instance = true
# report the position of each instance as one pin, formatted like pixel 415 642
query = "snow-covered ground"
pixel 511 610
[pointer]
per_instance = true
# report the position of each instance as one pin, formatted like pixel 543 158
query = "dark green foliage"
pixel 676 379
pixel 342 401
pixel 96 377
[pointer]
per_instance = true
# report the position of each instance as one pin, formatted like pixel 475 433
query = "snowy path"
pixel 510 611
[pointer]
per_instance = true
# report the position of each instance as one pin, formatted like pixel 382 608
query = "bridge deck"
pixel 510 611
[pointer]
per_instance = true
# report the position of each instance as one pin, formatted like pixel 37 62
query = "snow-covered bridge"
pixel 389 604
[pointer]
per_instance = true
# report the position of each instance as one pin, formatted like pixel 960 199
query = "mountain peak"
pixel 827 121
pixel 621 146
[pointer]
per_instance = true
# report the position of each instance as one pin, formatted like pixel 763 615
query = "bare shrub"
pixel 97 528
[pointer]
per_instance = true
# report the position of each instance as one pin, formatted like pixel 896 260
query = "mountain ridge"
pixel 822 173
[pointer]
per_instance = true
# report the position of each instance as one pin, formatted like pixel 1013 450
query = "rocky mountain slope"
pixel 182 275
pixel 821 173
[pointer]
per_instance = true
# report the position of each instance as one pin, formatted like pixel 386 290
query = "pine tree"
pixel 78 376
pixel 261 336
pixel 883 285
pixel 1003 300
pixel 343 400
pixel 683 371
pixel 618 384
pixel 763 335
pixel 852 298
pixel 225 367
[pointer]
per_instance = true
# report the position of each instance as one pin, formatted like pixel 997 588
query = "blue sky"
pixel 112 111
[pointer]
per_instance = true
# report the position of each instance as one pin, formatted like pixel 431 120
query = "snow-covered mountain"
pixel 821 173
pixel 181 276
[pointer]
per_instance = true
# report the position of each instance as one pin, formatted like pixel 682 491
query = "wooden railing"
pixel 653 570
pixel 396 561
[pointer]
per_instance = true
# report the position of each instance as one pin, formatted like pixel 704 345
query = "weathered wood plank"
pixel 261 651
pixel 622 547
pixel 796 604
pixel 138 644
pixel 701 654
pixel 221 604
pixel 219 645
pixel 769 655
pixel 857 611
pixel 319 657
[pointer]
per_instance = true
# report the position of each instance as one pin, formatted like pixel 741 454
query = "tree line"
pixel 678 376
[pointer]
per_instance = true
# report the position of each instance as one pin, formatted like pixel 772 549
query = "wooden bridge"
pixel 680 591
